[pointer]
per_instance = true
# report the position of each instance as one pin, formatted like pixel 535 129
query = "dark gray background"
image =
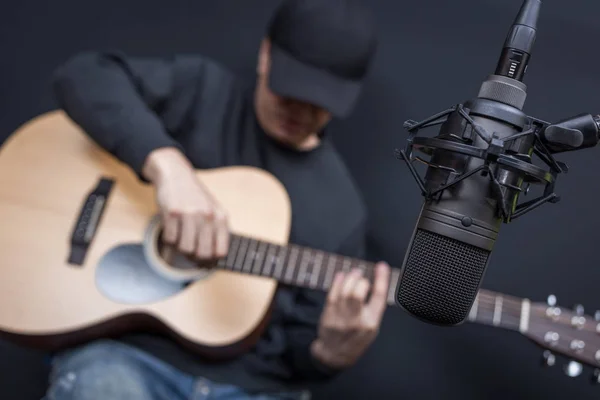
pixel 433 54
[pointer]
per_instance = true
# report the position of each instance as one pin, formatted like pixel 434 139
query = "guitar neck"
pixel 315 269
pixel 295 265
pixel 500 310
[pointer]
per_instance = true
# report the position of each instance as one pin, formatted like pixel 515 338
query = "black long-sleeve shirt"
pixel 131 106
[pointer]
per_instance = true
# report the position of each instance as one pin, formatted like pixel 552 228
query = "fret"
pixel 250 256
pixel 497 310
pixel 305 259
pixel 369 272
pixel 260 259
pixel 485 309
pixel 346 264
pixel 270 260
pixel 241 254
pixel 511 312
pixel 281 257
pixel 474 308
pixel 497 317
pixel 233 250
pixel 362 266
pixel 524 318
pixel 329 271
pixel 511 316
pixel 323 270
pixel 316 270
pixel 291 264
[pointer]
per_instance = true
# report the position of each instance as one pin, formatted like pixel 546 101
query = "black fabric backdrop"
pixel 433 54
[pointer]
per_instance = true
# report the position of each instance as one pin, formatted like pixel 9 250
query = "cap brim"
pixel 290 78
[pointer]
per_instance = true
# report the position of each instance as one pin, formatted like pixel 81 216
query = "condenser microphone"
pixel 478 167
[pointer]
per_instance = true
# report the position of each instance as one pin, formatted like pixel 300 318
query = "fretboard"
pixel 295 265
pixel 496 309
pixel 315 269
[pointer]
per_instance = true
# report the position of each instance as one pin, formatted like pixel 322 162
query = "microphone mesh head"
pixel 441 278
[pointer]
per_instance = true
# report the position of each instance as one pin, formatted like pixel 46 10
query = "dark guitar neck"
pixel 306 267
pixel 500 310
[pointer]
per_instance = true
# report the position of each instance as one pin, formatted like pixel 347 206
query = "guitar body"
pixel 54 293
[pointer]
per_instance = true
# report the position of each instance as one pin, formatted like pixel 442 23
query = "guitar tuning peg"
pixel 573 369
pixel 552 311
pixel 596 376
pixel 548 359
pixel 579 310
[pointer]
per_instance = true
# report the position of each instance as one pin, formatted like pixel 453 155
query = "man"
pixel 163 118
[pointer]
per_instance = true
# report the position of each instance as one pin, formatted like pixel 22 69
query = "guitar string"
pixel 338 265
pixel 515 304
pixel 511 306
pixel 510 313
pixel 340 262
pixel 588 353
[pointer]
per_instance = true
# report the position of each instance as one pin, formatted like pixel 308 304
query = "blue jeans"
pixel 107 370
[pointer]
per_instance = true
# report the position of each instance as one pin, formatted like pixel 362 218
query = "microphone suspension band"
pixel 479 164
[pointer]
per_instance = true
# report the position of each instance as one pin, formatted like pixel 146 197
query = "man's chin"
pixel 295 141
pixel 292 133
pixel 293 130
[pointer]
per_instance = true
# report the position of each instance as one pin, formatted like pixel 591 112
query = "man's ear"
pixel 264 57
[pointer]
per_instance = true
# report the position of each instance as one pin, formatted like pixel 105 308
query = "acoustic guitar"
pixel 81 257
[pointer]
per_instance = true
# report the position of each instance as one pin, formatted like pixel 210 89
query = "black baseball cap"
pixel 321 51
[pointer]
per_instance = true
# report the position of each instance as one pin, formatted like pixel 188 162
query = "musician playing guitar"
pixel 163 119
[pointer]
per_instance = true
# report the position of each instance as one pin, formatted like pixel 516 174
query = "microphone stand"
pixel 501 98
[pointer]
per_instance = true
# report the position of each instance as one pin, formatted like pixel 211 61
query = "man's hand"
pixel 193 222
pixel 348 324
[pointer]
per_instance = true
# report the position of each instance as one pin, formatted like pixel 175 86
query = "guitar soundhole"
pixel 168 261
pixel 177 260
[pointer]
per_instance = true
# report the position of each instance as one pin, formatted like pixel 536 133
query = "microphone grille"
pixel 441 278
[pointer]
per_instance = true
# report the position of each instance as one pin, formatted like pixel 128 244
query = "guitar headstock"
pixel 571 333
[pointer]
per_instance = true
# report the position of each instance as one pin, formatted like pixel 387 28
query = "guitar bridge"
pixel 88 220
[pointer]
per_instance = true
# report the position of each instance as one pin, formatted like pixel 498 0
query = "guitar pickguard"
pixel 124 275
